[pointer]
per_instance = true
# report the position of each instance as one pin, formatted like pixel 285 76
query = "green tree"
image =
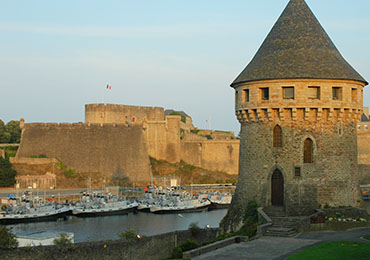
pixel 7 239
pixel 4 135
pixel 13 128
pixel 7 174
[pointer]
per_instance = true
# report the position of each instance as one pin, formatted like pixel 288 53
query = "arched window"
pixel 308 151
pixel 277 136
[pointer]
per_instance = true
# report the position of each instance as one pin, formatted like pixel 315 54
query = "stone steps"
pixel 280 232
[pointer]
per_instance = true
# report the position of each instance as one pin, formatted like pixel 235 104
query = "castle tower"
pixel 298 102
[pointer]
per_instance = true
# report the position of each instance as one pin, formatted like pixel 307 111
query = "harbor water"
pixel 109 227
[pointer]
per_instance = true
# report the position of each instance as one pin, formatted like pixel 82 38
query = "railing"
pixel 267 222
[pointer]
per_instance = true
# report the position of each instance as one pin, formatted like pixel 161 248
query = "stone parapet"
pixel 306 100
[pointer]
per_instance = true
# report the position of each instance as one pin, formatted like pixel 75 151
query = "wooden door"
pixel 277 189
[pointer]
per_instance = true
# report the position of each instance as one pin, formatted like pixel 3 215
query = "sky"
pixel 57 56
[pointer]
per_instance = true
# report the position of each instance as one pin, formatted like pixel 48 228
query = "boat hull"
pixel 173 211
pixel 214 206
pixel 100 213
pixel 29 219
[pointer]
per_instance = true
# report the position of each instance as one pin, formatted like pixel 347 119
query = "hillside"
pixel 189 173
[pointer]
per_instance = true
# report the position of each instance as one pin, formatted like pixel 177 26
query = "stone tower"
pixel 298 102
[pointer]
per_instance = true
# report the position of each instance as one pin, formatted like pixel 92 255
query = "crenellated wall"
pixel 90 147
pixel 251 106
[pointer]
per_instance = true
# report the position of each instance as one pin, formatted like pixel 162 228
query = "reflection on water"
pixel 104 228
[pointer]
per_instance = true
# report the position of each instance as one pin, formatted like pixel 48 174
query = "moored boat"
pixel 220 200
pixel 181 206
pixel 103 206
pixel 25 214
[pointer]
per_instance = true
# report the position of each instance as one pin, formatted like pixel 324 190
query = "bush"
pixel 7 174
pixel 63 239
pixel 7 239
pixel 249 227
pixel 129 235
pixel 186 246
pixel 194 228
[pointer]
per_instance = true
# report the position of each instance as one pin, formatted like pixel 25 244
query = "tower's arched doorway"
pixel 277 188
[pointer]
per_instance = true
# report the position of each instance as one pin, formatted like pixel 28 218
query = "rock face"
pixel 298 120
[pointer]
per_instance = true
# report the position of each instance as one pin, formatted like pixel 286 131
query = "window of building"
pixel 297 171
pixel 236 97
pixel 277 140
pixel 337 93
pixel 265 93
pixel 366 127
pixel 245 95
pixel 288 92
pixel 308 151
pixel 313 92
pixel 359 127
pixel 354 94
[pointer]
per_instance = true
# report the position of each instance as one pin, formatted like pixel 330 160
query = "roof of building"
pixel 365 118
pixel 298 47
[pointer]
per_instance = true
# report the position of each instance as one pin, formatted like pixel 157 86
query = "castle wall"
pixel 330 180
pixel 363 141
pixel 212 155
pixel 156 139
pixel 90 147
pixel 364 174
pixel 110 113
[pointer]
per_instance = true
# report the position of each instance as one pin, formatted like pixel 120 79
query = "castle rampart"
pixel 111 113
pixel 90 147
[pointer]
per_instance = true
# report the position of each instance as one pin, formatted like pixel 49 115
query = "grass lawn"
pixel 340 250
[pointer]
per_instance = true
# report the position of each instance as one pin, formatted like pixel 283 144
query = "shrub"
pixel 129 235
pixel 7 174
pixel 183 117
pixel 194 228
pixel 63 239
pixel 249 227
pixel 186 246
pixel 7 239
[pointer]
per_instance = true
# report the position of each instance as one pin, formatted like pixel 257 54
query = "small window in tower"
pixel 277 136
pixel 264 93
pixel 354 94
pixel 337 93
pixel 366 128
pixel 236 97
pixel 245 95
pixel 359 127
pixel 288 92
pixel 308 151
pixel 297 171
pixel 313 92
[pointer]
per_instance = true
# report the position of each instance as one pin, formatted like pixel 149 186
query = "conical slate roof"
pixel 298 47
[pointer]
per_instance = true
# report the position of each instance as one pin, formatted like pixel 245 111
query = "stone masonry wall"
pixel 363 141
pixel 154 248
pixel 214 155
pixel 109 113
pixel 331 179
pixel 90 147
pixel 329 121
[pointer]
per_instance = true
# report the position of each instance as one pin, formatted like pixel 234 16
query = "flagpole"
pixel 103 95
